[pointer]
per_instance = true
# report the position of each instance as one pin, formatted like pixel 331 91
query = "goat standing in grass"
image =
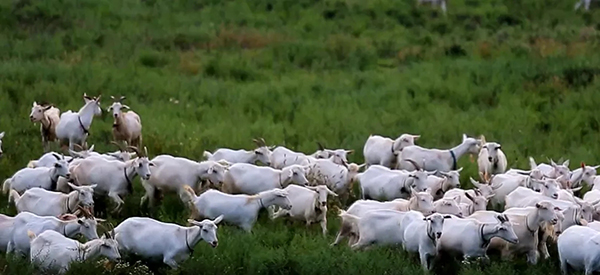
pixel 73 127
pixel 127 126
pixel 48 116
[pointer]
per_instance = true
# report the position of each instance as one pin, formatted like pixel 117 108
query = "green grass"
pixel 217 73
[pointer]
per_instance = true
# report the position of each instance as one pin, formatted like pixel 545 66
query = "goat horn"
pixel 414 163
pixel 118 145
pixel 78 146
pixel 122 98
pixel 258 142
pixel 321 147
pixel 145 151
pixel 113 98
pixel 136 150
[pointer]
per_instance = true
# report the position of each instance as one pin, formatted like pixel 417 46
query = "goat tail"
pixel 31 235
pixel 32 164
pixel 187 195
pixel 532 163
pixel 6 186
pixel 14 196
pixel 207 154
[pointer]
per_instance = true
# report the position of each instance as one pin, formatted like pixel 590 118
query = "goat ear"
pixel 47 108
pixel 79 221
pixel 566 163
pixel 34 103
pixel 125 107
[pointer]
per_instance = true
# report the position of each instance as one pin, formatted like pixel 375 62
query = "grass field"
pixel 217 73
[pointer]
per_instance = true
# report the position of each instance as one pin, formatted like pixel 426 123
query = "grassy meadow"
pixel 205 74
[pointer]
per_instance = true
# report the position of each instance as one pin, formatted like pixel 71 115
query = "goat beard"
pixel 109 265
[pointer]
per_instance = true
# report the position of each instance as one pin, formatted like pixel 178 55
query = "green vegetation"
pixel 217 73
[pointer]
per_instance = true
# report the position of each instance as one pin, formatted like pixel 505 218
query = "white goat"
pixel 523 197
pixel 48 203
pixel 6 225
pixel 168 242
pixel 52 251
pixel 127 126
pixel 526 227
pixel 441 3
pixel 1 136
pixel 250 179
pixel 448 205
pixel 471 238
pixel 381 183
pixel 381 227
pixel 113 178
pixel 585 3
pixel 70 226
pixel 422 235
pixel 240 210
pixel 438 186
pixel 309 204
pixel 579 249
pixel 338 178
pixel 73 128
pixel 48 116
pixel 262 153
pixel 383 150
pixel 436 159
pixel 584 173
pixel 552 170
pixel 43 177
pixel 491 159
pixel 170 174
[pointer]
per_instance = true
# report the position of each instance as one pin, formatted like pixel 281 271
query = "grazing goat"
pixel 48 203
pixel 262 153
pixel 381 227
pixel 526 227
pixel 384 151
pixel 471 238
pixel 43 177
pixel 168 242
pixel 491 159
pixel 249 179
pixel 436 159
pixel 380 183
pixel 53 251
pixel 111 177
pixel 337 178
pixel 584 173
pixel 240 210
pixel 579 249
pixel 170 174
pixel 48 116
pixel 127 126
pixel 68 225
pixel 309 204
pixel 360 207
pixel 73 128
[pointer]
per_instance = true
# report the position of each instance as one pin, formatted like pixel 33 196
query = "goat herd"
pixel 410 196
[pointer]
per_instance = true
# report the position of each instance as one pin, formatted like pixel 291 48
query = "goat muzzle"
pixel 214 244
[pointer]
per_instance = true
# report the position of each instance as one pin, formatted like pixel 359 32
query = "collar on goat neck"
pixel 485 242
pixel 432 238
pixel 126 177
pixel 85 131
pixel 453 159
pixel 527 225
pixel 190 249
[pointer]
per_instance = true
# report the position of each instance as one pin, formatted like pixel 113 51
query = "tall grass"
pixel 208 74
